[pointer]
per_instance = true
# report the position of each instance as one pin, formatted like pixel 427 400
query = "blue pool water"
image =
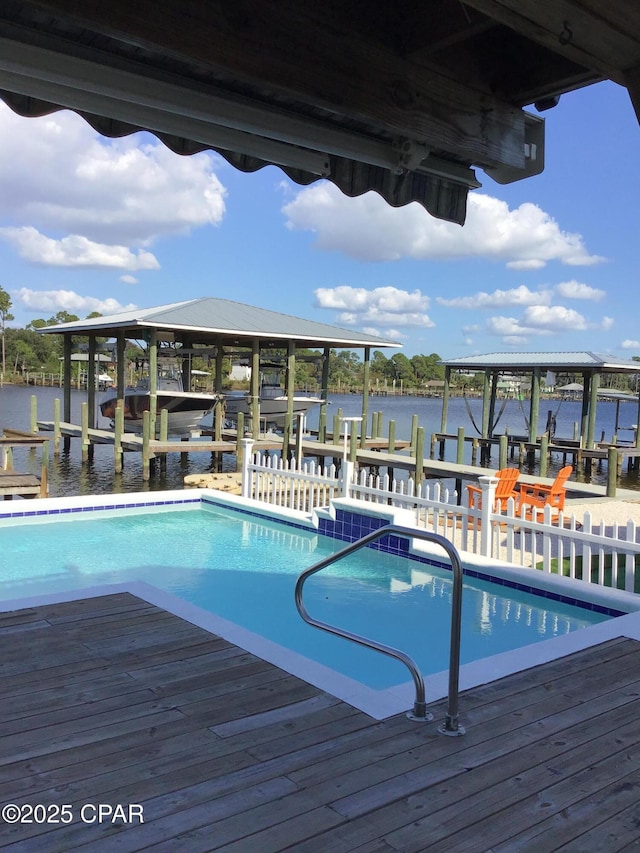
pixel 244 569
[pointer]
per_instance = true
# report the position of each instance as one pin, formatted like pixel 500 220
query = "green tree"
pixel 5 317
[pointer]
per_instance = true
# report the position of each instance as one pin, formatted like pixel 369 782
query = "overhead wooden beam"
pixel 336 72
pixel 590 33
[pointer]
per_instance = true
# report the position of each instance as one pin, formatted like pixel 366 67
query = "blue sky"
pixel 549 263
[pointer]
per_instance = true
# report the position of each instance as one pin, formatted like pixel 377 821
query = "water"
pixel 245 570
pixel 68 476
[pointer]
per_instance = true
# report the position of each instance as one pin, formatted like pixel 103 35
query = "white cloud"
pixel 392 334
pixel 359 298
pixel 553 318
pixel 75 251
pixel 531 264
pixel 577 290
pixel 607 323
pixel 129 279
pixel 516 296
pixel 368 229
pixel 52 301
pixel 58 175
pixel 629 344
pixel 381 305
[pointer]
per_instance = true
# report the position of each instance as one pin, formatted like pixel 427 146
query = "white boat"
pixel 273 403
pixel 185 409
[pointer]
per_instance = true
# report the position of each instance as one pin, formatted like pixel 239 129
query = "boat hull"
pixel 273 410
pixel 185 410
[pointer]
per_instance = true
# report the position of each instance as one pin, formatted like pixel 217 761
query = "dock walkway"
pixel 112 700
pixel 19 484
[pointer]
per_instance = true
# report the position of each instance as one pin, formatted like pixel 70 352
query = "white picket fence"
pixel 582 548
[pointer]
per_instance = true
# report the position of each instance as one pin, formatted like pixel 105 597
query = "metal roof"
pixel 405 99
pixel 555 361
pixel 208 319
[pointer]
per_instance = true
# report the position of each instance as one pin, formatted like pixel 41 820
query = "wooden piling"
pixel 118 429
pixel 56 427
pixel 146 435
pixel 84 424
pixel 34 413
pixel 460 447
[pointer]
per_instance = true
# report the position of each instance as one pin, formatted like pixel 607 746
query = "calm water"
pixel 248 561
pixel 69 476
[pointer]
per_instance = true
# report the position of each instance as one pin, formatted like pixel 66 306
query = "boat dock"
pixel 18 484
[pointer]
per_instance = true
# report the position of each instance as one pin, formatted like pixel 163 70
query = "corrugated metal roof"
pixel 555 361
pixel 208 318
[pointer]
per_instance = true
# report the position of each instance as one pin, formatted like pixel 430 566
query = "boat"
pixel 185 409
pixel 273 402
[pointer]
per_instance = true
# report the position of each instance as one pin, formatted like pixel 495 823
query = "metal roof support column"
pixel 365 396
pixel 445 400
pixel 153 380
pixel 534 405
pixel 255 391
pixel 593 403
pixel 91 382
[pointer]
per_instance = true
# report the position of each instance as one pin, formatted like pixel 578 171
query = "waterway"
pixel 69 476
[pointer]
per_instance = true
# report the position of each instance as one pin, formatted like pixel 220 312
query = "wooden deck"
pixel 112 700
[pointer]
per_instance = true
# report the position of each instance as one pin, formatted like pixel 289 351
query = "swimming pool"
pixel 241 565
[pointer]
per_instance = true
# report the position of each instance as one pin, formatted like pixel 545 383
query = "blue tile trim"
pixel 72 509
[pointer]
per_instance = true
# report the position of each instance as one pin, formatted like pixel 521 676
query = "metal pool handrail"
pixel 450 725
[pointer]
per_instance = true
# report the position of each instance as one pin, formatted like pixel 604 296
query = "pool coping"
pixel 378 704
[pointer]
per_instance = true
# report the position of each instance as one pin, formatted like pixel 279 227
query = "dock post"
pixel 419 452
pixel 474 451
pixel 322 425
pixel 118 429
pixel 432 445
pixel 460 447
pixel 337 420
pixel 353 439
pixel 56 427
pixel 544 454
pixel 414 429
pixel 503 449
pixel 392 445
pixel 612 472
pixel 164 425
pixel 44 474
pixel 239 437
pixel 298 442
pixel 34 413
pixel 84 421
pixel 146 433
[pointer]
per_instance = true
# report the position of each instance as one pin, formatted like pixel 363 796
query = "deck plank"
pixel 113 700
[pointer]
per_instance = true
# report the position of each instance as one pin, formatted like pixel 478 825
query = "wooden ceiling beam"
pixel 592 34
pixel 268 46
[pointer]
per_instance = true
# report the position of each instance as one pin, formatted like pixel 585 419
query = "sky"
pixel 549 263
